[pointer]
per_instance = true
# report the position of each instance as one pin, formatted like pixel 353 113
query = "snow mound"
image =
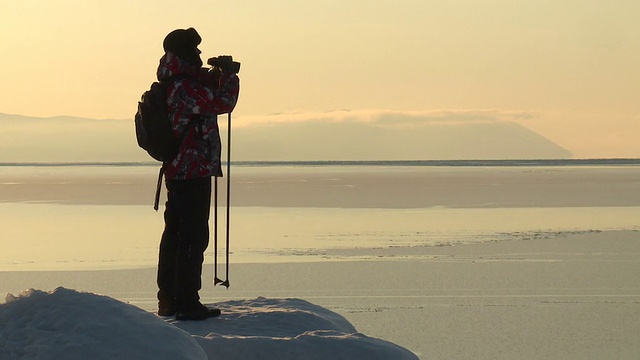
pixel 67 324
pixel 286 329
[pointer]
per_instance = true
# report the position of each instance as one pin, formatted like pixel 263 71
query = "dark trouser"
pixel 184 240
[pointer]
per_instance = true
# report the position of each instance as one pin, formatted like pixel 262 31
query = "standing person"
pixel 195 97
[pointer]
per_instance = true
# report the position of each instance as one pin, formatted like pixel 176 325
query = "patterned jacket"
pixel 194 101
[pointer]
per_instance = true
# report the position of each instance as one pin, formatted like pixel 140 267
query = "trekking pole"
pixel 225 283
pixel 216 280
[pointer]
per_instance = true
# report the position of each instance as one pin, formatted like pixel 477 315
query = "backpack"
pixel 154 130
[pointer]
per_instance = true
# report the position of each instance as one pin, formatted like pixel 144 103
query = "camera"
pixel 225 63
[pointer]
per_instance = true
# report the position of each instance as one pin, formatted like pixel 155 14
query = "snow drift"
pixel 67 324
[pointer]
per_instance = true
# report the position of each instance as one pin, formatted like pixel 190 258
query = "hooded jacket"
pixel 194 100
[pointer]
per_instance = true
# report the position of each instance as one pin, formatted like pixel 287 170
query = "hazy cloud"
pixel 391 117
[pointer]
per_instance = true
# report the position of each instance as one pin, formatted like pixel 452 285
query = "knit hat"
pixel 184 44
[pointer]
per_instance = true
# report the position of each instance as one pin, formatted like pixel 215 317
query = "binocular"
pixel 225 63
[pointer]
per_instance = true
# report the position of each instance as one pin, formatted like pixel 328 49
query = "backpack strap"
pixel 159 187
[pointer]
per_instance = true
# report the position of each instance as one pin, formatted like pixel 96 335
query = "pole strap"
pixel 158 188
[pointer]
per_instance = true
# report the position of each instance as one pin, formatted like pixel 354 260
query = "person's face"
pixel 198 52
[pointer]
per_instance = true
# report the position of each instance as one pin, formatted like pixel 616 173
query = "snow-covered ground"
pixel 69 324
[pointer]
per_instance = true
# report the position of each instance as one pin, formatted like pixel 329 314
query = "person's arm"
pixel 214 99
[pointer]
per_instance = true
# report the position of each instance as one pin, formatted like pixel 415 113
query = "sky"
pixel 574 65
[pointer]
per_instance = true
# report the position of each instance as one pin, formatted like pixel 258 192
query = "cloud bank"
pixel 391 117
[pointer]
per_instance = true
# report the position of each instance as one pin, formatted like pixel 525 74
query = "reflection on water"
pixel 93 217
pixel 60 237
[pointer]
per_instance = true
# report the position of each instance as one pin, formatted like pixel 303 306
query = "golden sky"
pixel 574 64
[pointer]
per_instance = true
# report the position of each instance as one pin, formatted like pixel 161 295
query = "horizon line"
pixel 430 162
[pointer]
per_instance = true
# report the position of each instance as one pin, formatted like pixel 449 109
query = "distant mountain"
pixel 314 140
pixel 394 136
pixel 67 139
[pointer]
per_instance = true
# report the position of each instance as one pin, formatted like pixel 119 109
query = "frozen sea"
pixel 392 247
